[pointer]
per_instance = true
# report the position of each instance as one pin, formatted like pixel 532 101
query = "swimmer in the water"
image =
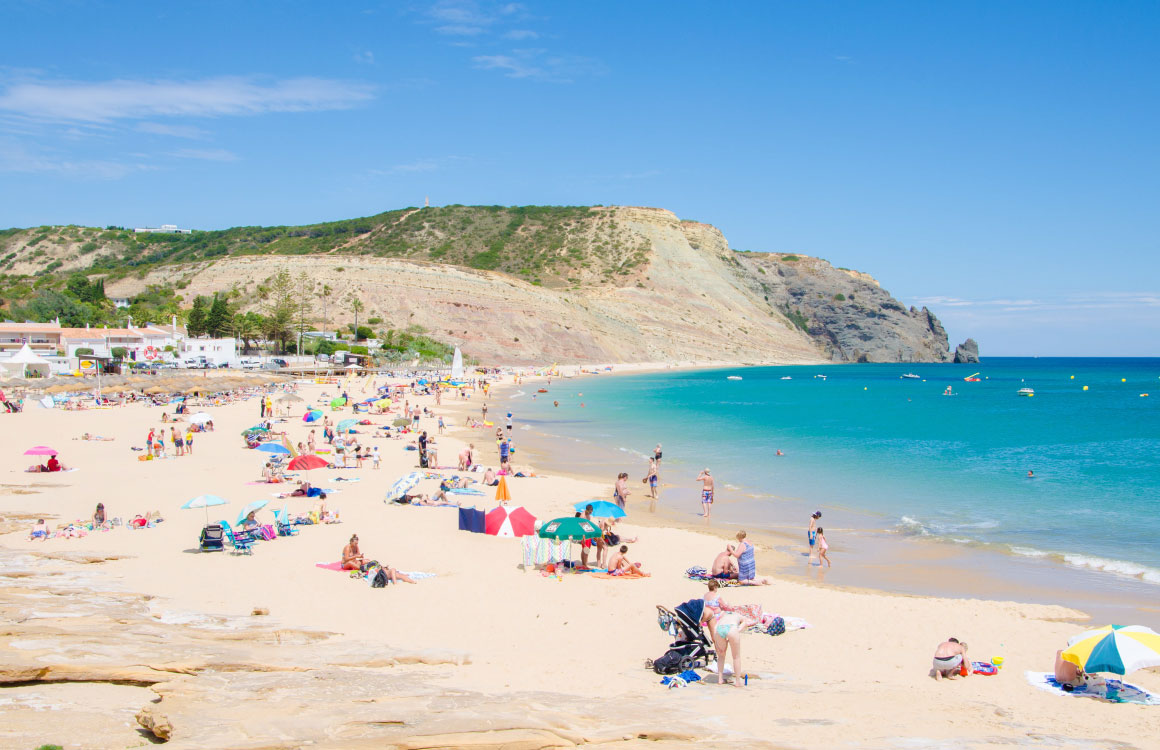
pixel 1030 474
pixel 555 403
pixel 779 452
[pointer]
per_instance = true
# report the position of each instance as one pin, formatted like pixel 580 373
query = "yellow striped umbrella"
pixel 1119 649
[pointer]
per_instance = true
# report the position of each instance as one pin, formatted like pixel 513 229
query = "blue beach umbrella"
pixel 312 416
pixel 346 424
pixel 274 448
pixel 402 484
pixel 601 508
pixel 204 501
pixel 250 508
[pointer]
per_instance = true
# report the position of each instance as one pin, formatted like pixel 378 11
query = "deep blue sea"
pixel 900 451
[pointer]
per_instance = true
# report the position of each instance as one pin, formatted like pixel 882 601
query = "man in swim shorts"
pixel 706 480
pixel 948 659
pixel 812 536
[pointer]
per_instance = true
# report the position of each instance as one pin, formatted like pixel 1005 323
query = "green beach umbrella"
pixel 346 424
pixel 570 528
pixel 336 403
pixel 400 422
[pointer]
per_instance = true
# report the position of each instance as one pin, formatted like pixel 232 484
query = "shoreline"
pixel 886 559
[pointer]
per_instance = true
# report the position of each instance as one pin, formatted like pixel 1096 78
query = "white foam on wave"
pixel 517 394
pixel 1091 562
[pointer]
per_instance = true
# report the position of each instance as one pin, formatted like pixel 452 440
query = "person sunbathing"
pixel 39 531
pixel 87 436
pixel 724 564
pixel 352 557
pixel 1068 675
pixel 620 565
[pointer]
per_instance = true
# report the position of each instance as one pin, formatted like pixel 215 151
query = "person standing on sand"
pixel 812 535
pixel 651 478
pixel 620 493
pixel 727 637
pixel 706 480
pixel 823 548
pixel 657 455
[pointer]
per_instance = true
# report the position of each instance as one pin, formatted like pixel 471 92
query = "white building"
pixel 120 301
pixel 163 229
pixel 215 351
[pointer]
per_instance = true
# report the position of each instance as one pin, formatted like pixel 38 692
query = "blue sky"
pixel 996 161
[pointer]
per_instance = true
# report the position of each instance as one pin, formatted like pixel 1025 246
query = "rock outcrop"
pixel 967 352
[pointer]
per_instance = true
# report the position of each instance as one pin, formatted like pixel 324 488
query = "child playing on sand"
pixel 39 531
pixel 823 548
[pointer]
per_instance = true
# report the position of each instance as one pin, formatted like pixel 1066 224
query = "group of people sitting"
pixel 53 464
pixel 737 562
pixel 353 559
pixel 100 521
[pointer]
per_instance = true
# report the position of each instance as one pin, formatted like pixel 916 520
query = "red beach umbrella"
pixel 40 450
pixel 306 463
pixel 504 521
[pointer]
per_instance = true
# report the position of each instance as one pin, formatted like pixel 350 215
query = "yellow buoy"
pixel 865 388
pixel 1085 387
pixel 1123 380
pixel 1073 377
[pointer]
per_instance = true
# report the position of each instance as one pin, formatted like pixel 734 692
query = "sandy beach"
pixel 122 624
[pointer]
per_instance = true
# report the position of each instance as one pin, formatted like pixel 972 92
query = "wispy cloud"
pixel 106 101
pixel 1086 301
pixel 518 34
pixel 365 56
pixel 176 131
pixel 474 18
pixel 205 154
pixel 538 64
pixel 425 164
pixel 17 158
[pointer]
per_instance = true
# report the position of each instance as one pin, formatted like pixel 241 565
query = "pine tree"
pixel 196 324
pixel 217 323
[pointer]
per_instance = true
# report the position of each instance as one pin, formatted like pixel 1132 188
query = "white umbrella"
pixel 200 418
pixel 402 484
pixel 205 501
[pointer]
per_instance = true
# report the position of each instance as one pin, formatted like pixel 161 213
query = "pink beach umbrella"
pixel 40 450
pixel 505 521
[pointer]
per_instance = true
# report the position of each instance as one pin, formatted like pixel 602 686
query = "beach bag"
pixel 268 532
pixel 675 660
pixel 777 627
pixel 380 580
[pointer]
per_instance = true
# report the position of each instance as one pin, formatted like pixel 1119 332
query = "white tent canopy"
pixel 25 361
pixel 457 365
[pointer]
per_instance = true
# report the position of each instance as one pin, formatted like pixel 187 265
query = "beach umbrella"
pixel 402 484
pixel 346 424
pixel 255 428
pixel 290 398
pixel 312 416
pixel 204 501
pixel 200 418
pixel 570 528
pixel 274 448
pixel 383 403
pixel 509 522
pixel 601 508
pixel 306 463
pixel 250 508
pixel 501 491
pixel 1119 649
pixel 40 450
pixel 336 403
pixel 401 422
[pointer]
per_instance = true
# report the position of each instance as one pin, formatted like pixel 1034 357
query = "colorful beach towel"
pixel 335 566
pixel 1109 689
pixel 697 573
pixel 537 551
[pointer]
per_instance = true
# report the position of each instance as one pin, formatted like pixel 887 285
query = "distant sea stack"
pixel 506 284
pixel 967 352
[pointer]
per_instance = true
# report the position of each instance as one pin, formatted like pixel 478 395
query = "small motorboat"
pixel 733 377
pixel 1025 392
pixel 787 377
pixel 972 378
pixel 542 390
pixel 909 376
pixel 819 377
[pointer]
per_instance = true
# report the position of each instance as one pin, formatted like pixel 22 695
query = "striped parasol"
pixel 1119 649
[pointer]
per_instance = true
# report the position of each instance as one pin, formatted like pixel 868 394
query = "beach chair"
pixel 282 522
pixel 211 539
pixel 242 545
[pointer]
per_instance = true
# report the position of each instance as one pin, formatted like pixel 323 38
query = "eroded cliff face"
pixel 692 299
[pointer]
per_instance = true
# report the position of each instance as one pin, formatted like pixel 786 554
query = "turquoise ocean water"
pixel 900 453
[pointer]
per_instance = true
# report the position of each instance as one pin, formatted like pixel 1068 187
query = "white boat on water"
pixel 1025 392
pixel 733 377
pixel 910 376
pixel 787 377
pixel 819 377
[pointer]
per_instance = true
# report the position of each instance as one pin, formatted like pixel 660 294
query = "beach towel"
pixel 472 520
pixel 639 577
pixel 417 575
pixel 335 566
pixel 1110 689
pixel 697 573
pixel 539 551
pixel 463 491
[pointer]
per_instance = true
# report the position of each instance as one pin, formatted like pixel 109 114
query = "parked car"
pixel 269 366
pixel 280 362
pixel 250 363
pixel 197 363
pixel 224 366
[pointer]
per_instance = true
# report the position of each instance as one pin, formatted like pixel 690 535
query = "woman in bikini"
pixel 352 558
pixel 726 631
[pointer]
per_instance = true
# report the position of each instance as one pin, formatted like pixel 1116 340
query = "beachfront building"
pixel 121 302
pixel 42 338
pixel 163 229
pixel 215 351
pixel 146 343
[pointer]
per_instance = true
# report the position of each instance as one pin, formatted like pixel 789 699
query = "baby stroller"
pixel 691 649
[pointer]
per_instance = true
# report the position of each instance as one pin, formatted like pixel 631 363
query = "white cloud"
pixel 425 164
pixel 1064 303
pixel 365 56
pixel 104 101
pixel 521 34
pixel 16 158
pixel 537 64
pixel 459 29
pixel 205 154
pixel 177 131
